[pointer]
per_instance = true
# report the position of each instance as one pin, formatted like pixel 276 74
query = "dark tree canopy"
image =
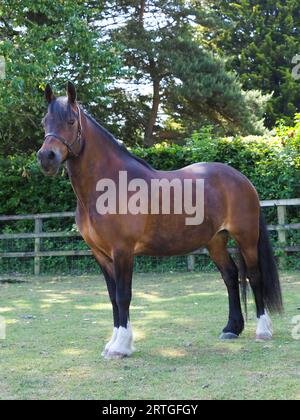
pixel 163 46
pixel 262 37
pixel 149 70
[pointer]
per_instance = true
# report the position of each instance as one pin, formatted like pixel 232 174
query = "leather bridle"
pixel 78 139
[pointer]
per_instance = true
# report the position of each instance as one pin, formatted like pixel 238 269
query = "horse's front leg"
pixel 112 291
pixel 106 265
pixel 122 345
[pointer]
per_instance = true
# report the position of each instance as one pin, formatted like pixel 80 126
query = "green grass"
pixel 176 318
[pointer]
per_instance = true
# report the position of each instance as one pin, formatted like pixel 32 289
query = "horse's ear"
pixel 49 95
pixel 71 92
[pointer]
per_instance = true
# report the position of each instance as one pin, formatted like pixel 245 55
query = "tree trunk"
pixel 148 139
pixel 142 12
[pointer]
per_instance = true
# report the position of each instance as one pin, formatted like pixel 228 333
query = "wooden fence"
pixel 282 227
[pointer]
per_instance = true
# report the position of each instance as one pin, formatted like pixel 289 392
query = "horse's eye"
pixel 71 122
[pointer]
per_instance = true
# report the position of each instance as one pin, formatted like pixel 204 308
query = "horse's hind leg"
pixel 218 251
pixel 249 250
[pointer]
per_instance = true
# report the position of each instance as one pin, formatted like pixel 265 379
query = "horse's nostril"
pixel 51 155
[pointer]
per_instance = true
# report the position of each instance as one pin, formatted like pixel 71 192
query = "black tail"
pixel 268 269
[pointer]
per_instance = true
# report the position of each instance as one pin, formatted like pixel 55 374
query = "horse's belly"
pixel 173 241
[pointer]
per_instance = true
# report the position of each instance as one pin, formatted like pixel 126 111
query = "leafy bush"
pixel 272 163
pixel 24 189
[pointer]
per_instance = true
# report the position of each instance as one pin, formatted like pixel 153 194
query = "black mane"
pixel 117 142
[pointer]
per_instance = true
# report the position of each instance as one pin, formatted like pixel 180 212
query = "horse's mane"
pixel 115 141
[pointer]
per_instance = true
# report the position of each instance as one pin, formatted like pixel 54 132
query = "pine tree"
pixel 163 45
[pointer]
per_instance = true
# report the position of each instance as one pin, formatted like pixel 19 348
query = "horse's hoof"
pixel 114 355
pixel 228 336
pixel 263 337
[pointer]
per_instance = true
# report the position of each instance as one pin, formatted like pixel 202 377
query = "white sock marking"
pixel 112 340
pixel 264 327
pixel 124 342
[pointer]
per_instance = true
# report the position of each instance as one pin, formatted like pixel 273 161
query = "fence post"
pixel 191 262
pixel 281 214
pixel 37 246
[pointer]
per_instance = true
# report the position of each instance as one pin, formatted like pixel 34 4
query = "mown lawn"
pixel 57 327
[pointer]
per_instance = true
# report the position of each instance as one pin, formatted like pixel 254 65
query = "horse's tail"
pixel 268 269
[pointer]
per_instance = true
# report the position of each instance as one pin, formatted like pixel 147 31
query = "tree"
pixel 262 37
pixel 208 93
pixel 107 47
pixel 49 41
pixel 163 48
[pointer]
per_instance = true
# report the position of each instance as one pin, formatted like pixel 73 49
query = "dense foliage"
pixel 263 39
pixel 164 50
pixel 272 163
pixel 114 51
pixel 46 41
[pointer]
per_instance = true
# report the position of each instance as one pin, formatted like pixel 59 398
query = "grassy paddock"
pixel 177 319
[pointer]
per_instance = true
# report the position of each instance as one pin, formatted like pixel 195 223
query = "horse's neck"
pixel 100 158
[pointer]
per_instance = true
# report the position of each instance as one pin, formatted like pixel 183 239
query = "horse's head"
pixel 62 125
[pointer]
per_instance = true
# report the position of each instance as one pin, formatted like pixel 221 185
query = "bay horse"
pixel 231 209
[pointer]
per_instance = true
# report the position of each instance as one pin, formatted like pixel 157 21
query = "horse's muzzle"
pixel 49 161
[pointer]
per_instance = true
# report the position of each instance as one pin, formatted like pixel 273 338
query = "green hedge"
pixel 272 163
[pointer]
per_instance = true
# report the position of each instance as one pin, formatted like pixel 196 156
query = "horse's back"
pixel 224 185
pixel 212 169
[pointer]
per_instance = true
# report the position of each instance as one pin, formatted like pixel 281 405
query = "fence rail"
pixel 282 227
